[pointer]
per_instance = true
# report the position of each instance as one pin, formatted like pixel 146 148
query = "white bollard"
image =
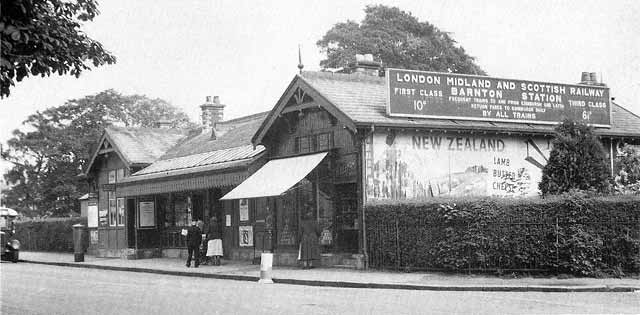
pixel 266 261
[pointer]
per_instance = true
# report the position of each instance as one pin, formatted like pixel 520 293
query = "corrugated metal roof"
pixel 363 99
pixel 232 142
pixel 202 159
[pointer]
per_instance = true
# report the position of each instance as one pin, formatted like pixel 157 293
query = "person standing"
pixel 194 238
pixel 309 248
pixel 214 244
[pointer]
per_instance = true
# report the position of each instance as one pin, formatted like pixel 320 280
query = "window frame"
pixel 120 214
pixel 111 199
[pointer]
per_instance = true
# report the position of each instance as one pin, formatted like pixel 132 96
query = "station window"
pixel 112 208
pixel 112 177
pixel 120 215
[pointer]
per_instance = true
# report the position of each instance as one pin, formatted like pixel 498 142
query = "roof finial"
pixel 300 65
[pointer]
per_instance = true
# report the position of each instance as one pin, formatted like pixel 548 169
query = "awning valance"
pixel 178 184
pixel 276 177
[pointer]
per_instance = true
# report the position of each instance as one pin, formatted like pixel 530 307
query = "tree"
pixel 397 39
pixel 628 178
pixel 60 140
pixel 40 37
pixel 577 161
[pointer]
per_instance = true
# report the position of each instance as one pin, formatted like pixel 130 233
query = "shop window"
pixel 182 210
pixel 287 218
pixel 303 144
pixel 314 143
pixel 120 215
pixel 324 141
pixel 112 208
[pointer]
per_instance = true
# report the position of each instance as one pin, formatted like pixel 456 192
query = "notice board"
pixel 146 213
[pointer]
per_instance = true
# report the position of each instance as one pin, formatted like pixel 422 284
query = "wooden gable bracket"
pixel 298 96
pixel 299 90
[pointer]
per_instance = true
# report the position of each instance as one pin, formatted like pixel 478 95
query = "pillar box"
pixel 78 242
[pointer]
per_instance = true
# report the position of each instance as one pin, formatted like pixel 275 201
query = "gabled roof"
pixel 231 147
pixel 138 146
pixel 300 84
pixel 363 99
pixel 144 145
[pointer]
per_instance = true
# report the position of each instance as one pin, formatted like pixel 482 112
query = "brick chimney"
pixel 365 65
pixel 212 112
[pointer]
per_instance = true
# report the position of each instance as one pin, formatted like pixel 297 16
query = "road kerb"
pixel 355 285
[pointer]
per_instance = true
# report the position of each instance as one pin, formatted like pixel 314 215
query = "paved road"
pixel 39 289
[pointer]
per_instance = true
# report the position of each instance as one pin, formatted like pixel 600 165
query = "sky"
pixel 246 52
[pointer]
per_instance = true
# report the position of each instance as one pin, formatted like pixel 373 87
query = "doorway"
pixel 131 223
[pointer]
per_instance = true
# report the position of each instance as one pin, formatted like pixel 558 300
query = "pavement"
pixel 338 277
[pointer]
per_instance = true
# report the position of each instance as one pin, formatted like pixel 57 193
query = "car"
pixel 11 247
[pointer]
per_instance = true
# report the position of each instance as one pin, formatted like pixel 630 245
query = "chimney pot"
pixel 208 99
pixel 585 78
pixel 593 78
pixel 365 65
pixel 216 99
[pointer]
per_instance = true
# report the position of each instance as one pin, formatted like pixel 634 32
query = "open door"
pixel 131 223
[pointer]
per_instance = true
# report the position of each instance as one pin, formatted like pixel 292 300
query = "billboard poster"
pixel 102 218
pixel 92 214
pixel 246 235
pixel 421 165
pixel 469 97
pixel 244 209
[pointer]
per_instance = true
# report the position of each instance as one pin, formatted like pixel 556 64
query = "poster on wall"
pixel 146 214
pixel 244 209
pixel 92 215
pixel 93 237
pixel 102 218
pixel 422 165
pixel 246 235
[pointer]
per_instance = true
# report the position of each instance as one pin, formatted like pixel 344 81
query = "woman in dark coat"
pixel 309 247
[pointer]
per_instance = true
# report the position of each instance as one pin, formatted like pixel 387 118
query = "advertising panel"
pixel 244 209
pixel 146 214
pixel 454 96
pixel 92 214
pixel 246 235
pixel 422 165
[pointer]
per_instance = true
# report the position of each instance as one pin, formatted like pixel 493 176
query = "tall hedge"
pixel 569 234
pixel 48 235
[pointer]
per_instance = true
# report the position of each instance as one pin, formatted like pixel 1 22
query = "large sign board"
pixel 469 97
pixel 418 165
